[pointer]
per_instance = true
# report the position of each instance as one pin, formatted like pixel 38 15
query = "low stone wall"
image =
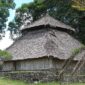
pixel 30 77
pixel 42 76
pixel 74 78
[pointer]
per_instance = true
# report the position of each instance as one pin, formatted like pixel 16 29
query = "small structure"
pixel 44 45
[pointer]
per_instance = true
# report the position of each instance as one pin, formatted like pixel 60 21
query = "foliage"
pixel 22 18
pixel 62 10
pixel 5 55
pixel 4 81
pixel 5 5
pixel 13 29
pixel 79 4
pixel 78 50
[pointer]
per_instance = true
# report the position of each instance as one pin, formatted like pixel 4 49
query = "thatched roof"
pixel 44 43
pixel 48 20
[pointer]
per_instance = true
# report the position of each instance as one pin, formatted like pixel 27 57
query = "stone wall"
pixel 41 76
pixel 30 77
pixel 74 78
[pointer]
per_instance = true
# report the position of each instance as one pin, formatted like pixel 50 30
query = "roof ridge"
pixel 48 20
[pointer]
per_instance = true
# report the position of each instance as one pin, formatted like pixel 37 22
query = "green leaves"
pixel 79 4
pixel 5 5
pixel 59 9
pixel 5 55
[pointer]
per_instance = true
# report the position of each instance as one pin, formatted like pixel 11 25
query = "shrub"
pixel 78 50
pixel 5 55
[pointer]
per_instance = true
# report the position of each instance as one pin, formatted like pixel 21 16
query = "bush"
pixel 4 55
pixel 78 50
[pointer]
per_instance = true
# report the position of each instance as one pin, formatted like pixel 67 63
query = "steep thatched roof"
pixel 44 43
pixel 48 20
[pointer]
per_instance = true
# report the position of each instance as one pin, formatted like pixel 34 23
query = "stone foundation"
pixel 42 76
pixel 74 78
pixel 30 77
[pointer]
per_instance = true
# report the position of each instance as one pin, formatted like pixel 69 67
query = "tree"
pixel 13 29
pixel 5 5
pixel 59 9
pixel 21 19
pixel 5 55
pixel 79 4
pixel 36 9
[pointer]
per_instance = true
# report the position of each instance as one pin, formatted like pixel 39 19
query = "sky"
pixel 18 4
pixel 6 41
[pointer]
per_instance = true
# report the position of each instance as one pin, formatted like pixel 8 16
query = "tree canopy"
pixel 5 55
pixel 79 4
pixel 5 5
pixel 66 11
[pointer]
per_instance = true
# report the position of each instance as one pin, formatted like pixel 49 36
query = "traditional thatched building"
pixel 45 45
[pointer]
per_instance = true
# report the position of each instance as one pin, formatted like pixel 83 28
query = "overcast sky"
pixel 6 41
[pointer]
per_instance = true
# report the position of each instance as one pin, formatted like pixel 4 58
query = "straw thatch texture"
pixel 48 20
pixel 44 43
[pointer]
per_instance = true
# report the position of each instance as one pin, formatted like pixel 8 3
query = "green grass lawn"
pixel 4 81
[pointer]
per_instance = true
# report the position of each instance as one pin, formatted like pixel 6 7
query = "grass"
pixel 4 81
